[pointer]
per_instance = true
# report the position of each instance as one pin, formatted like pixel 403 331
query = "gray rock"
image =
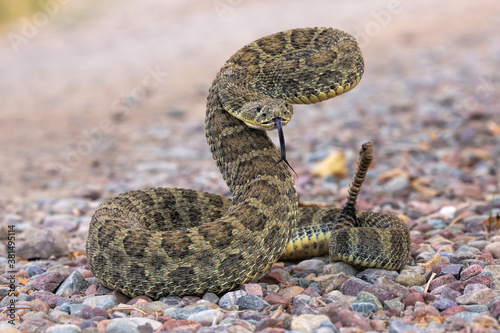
pixel 74 282
pixel 88 312
pixel 314 264
pixel 365 297
pixel 76 309
pixel 42 245
pixel 251 302
pixel 66 222
pixel 363 308
pixel 65 328
pixel 400 327
pixel 172 301
pixel 454 269
pixel 211 297
pixel 183 313
pixel 208 316
pixel 467 316
pixel 477 308
pixel 372 274
pixel 394 303
pixel 326 326
pixel 340 266
pixel 68 205
pixel 443 304
pixel 140 324
pixel 353 286
pixel 121 326
pixel 33 270
pixel 231 298
pixel 104 301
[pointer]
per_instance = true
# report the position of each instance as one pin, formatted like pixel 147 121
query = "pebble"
pixel 66 222
pixel 48 281
pixel 67 328
pixel 43 244
pixel 409 279
pixel 372 274
pixel 314 264
pixel 104 301
pixel 231 298
pixel 365 297
pixel 75 281
pixel 352 319
pixel 307 322
pixel 400 327
pixel 454 269
pixel 481 297
pixel 184 313
pixel 494 249
pixel 395 304
pixel 251 302
pixel 353 286
pixel 339 267
pixel 363 308
pixel 206 317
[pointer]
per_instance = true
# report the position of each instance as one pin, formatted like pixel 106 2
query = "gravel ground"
pixel 116 103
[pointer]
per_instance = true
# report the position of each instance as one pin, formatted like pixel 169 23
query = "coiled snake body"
pixel 165 241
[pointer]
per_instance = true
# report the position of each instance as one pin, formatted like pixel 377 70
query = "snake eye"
pixel 258 108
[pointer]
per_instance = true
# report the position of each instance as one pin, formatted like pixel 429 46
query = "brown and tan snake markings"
pixel 165 241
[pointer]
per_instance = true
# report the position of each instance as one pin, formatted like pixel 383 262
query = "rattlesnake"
pixel 165 241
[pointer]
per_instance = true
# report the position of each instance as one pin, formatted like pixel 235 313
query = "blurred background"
pixel 110 95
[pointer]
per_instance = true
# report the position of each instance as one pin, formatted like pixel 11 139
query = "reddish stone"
pixel 385 296
pixel 483 279
pixel 135 299
pixel 495 310
pixel 272 278
pixel 310 292
pixel 352 319
pixel 253 289
pixel 453 310
pixel 188 300
pixel 442 280
pixel 413 298
pixel 486 257
pixel 392 313
pixel 273 298
pixel 428 298
pixel 181 325
pixel 48 281
pixel 92 290
pixel 470 271
pixel 427 310
pixel 437 268
pixel 423 228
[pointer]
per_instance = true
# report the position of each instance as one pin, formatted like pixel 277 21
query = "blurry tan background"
pixel 79 102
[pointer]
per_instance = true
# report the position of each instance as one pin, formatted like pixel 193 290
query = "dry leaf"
pixel 22 281
pixel 388 175
pixel 333 165
pixel 421 186
pixel 493 127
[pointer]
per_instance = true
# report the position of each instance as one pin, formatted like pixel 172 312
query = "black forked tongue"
pixel 282 145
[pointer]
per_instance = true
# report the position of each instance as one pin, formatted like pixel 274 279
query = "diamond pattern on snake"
pixel 170 241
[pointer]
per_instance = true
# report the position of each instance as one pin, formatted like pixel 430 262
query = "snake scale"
pixel 165 241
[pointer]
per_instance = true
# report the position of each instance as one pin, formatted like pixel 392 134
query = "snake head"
pixel 261 114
